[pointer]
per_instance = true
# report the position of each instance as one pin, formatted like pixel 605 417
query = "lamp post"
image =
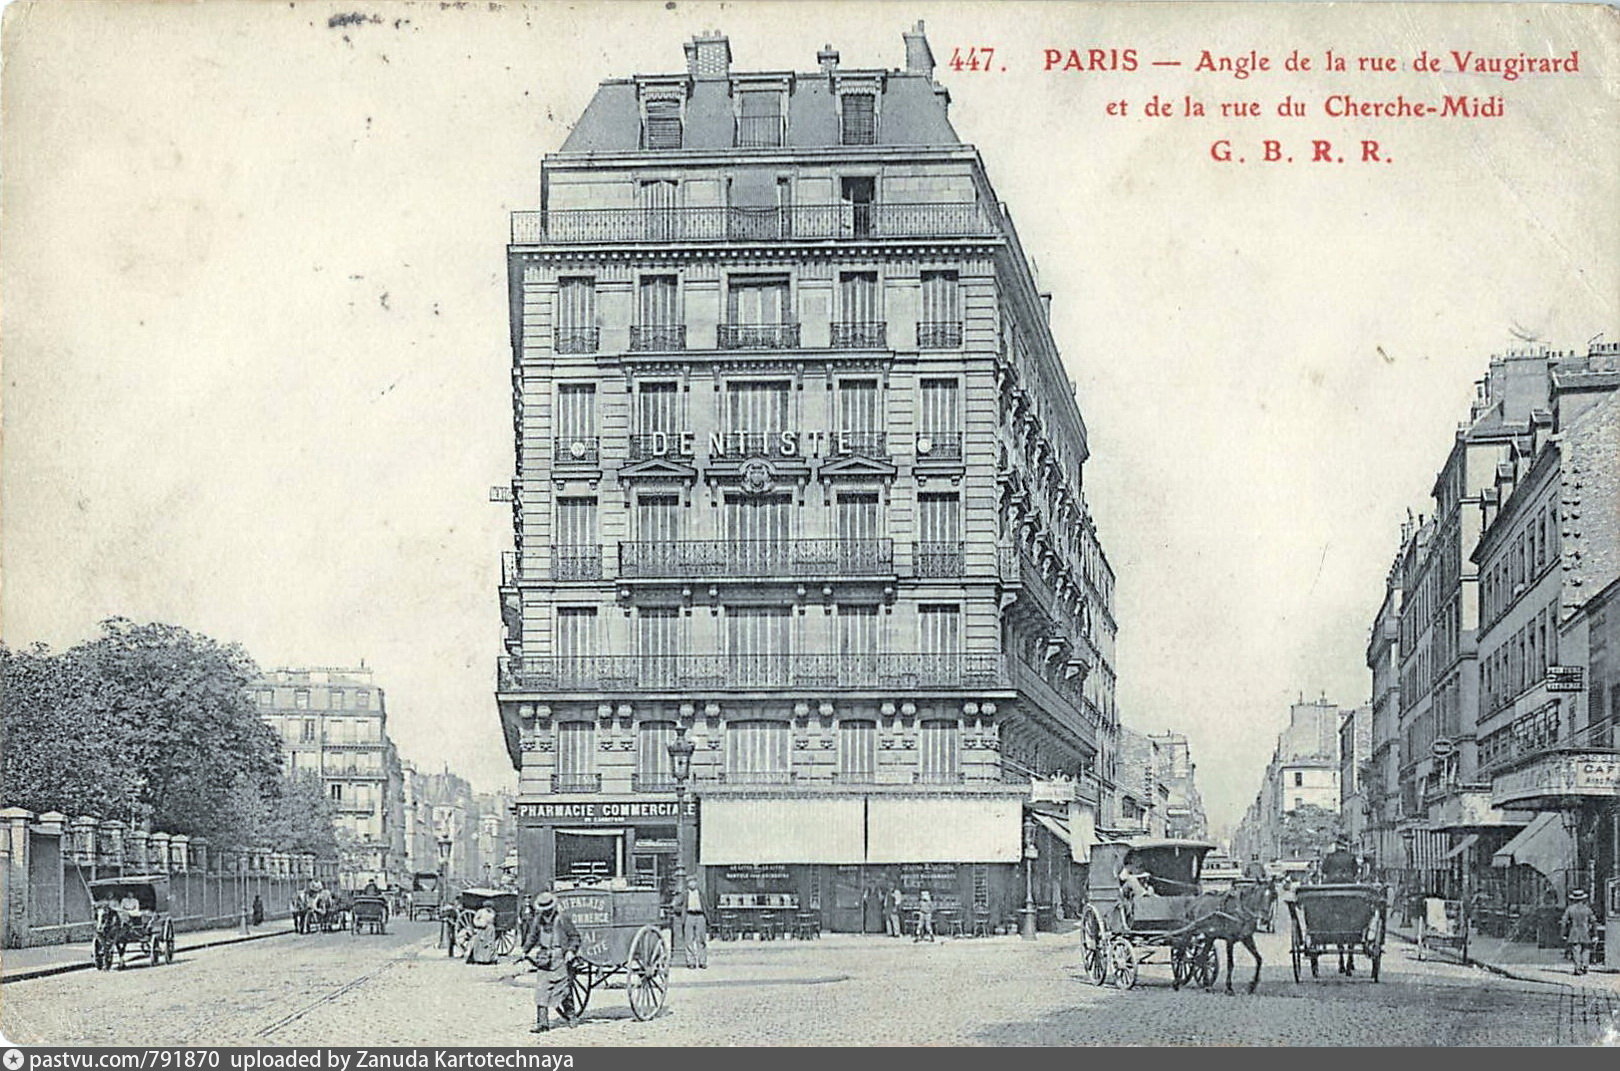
pixel 1026 917
pixel 680 766
pixel 446 933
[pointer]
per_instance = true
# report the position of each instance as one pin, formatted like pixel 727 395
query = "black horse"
pixel 1230 916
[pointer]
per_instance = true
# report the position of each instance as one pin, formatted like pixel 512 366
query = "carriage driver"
pixel 129 908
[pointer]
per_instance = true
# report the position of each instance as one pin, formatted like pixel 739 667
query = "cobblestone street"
pixel 402 990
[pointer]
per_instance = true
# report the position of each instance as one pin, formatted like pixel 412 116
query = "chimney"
pixel 708 56
pixel 827 59
pixel 919 57
pixel 1046 304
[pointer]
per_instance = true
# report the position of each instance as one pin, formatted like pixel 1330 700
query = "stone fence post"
pixel 14 838
pixel 86 847
pixel 157 851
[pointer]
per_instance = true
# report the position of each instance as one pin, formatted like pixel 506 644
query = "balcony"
pixel 859 335
pixel 578 339
pixel 759 131
pixel 576 450
pixel 939 335
pixel 723 673
pixel 759 336
pixel 657 338
pixel 939 446
pixel 652 782
pixel 756 777
pixel 576 782
pixel 762 558
pixel 931 560
pixel 584 226
pixel 937 777
pixel 576 563
pixel 644 445
pixel 873 444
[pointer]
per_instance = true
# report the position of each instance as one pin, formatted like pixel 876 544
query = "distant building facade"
pixel 1303 771
pixel 1184 809
pixel 333 725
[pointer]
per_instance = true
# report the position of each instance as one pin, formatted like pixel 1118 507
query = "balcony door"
pixel 658 314
pixel 575 645
pixel 657 200
pixel 759 752
pixel 860 530
pixel 938 752
pixel 756 416
pixel 757 531
pixel 653 770
pixel 576 549
pixel 939 531
pixel 576 756
pixel 758 645
pixel 657 550
pixel 858 644
pixel 658 645
pixel 858 194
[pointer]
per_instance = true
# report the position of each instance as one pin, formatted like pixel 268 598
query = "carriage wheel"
pixel 1376 954
pixel 580 983
pixel 1206 963
pixel 506 943
pixel 168 942
pixel 1181 965
pixel 1296 955
pixel 1093 946
pixel 647 973
pixel 103 952
pixel 1122 958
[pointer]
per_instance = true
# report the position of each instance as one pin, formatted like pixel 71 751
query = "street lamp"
pixel 680 766
pixel 1026 917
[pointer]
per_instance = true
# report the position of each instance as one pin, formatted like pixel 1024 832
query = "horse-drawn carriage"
pixel 132 910
pixel 1343 918
pixel 1140 897
pixel 368 913
pixel 426 896
pixel 460 925
pixel 620 934
pixel 320 910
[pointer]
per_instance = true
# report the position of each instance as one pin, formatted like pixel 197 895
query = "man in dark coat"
pixel 550 941
pixel 1339 867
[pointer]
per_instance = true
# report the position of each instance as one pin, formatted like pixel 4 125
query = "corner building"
pixel 798 480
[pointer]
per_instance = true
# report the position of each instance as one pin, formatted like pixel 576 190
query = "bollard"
pixel 244 921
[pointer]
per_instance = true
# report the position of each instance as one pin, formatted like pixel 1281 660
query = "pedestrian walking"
pixel 695 923
pixel 891 914
pixel 481 941
pixel 1577 927
pixel 550 943
pixel 258 910
pixel 925 916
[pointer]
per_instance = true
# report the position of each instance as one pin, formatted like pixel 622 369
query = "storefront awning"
pixel 1462 846
pixel 782 831
pixel 1543 844
pixel 917 829
pixel 1083 828
pixel 1055 826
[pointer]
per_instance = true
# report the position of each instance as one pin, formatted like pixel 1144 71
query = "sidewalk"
pixel 1522 960
pixel 17 964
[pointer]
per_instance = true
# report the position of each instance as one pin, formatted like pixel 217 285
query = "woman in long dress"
pixel 481 945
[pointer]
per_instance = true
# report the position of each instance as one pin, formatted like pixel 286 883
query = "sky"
pixel 255 351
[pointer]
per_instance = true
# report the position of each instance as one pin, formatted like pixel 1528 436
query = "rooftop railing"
pixel 757 558
pixel 659 673
pixel 723 223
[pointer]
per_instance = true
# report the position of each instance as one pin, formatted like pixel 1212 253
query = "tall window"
pixel 938 751
pixel 363 699
pixel 301 699
pixel 576 639
pixel 858 412
pixel 576 756
pixel 653 771
pixel 939 421
pixel 658 643
pixel 759 119
pixel 759 313
pixel 939 548
pixel 860 322
pixel 857 751
pixel 758 518
pixel 939 628
pixel 758 643
pixel 858 124
pixel 662 127
pixel 940 325
pixel 658 519
pixel 576 422
pixel 857 631
pixel 576 315
pixel 658 323
pixel 756 415
pixel 758 750
pixel 336 699
pixel 576 551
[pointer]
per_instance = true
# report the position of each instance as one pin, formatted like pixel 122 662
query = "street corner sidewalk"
pixel 1523 961
pixel 39 961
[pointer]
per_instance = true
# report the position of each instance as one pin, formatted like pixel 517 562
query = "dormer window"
pixel 858 119
pixel 759 119
pixel 661 125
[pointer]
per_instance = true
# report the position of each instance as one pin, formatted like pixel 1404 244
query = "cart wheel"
pixel 1376 954
pixel 506 943
pixel 1122 958
pixel 1093 946
pixel 1207 964
pixel 580 983
pixel 647 973
pixel 156 940
pixel 1181 965
pixel 168 942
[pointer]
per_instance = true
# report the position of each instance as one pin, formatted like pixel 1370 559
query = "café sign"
pixel 1562 774
pixel 604 812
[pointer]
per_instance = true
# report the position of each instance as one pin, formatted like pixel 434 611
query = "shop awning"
pixel 919 829
pixel 1462 846
pixel 1083 828
pixel 1543 844
pixel 1053 825
pixel 782 831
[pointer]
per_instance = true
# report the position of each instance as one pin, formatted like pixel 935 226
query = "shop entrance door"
pixel 847 909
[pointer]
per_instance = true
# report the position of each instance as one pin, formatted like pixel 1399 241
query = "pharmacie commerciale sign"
pixel 1568 774
pixel 604 812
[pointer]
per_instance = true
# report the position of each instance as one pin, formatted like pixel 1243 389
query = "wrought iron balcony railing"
pixel 757 558
pixel 873 444
pixel 759 336
pixel 937 559
pixel 576 562
pixel 952 219
pixel 859 335
pixel 652 782
pixel 939 334
pixel 757 777
pixel 578 339
pixel 759 131
pixel 576 449
pixel 939 445
pixel 657 338
pixel 576 782
pixel 693 672
pixel 855 777
pixel 937 777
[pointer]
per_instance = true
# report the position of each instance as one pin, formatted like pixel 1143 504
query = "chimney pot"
pixel 919 57
pixel 708 56
pixel 827 59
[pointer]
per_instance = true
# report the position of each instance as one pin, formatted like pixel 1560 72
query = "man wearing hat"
pixel 1339 867
pixel 1577 926
pixel 550 942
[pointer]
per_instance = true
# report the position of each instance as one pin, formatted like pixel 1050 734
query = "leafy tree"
pixel 55 751
pixel 1309 830
pixel 298 817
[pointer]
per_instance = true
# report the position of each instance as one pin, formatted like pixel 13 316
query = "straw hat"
pixel 545 900
pixel 1578 894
